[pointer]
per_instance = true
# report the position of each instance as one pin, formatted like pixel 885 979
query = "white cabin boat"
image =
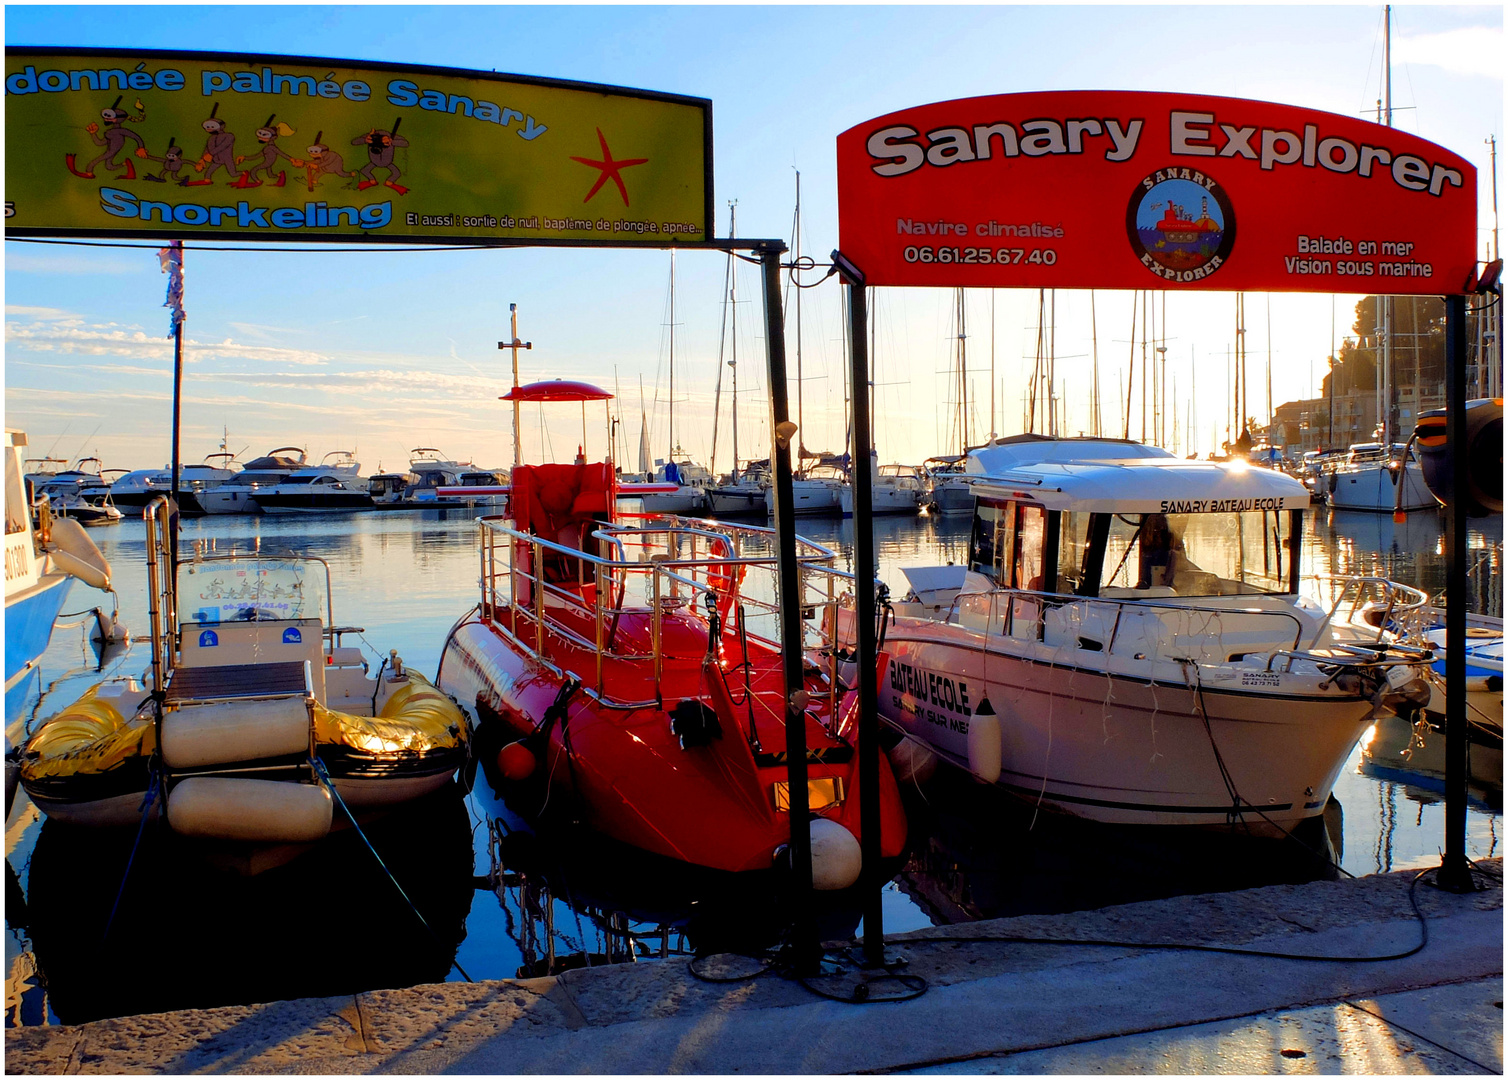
pixel 896 489
pixel 1133 621
pixel 1370 477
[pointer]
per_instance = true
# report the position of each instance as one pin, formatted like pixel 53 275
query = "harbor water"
pixel 115 922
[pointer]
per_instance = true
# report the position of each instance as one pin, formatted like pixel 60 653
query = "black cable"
pixel 390 249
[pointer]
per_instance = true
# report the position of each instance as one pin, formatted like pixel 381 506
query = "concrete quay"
pixel 989 1007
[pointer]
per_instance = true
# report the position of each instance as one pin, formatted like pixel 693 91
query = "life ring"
pixel 725 579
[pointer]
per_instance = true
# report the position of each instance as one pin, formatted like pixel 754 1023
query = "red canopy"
pixel 556 390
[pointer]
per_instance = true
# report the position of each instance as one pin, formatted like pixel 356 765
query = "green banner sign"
pixel 292 148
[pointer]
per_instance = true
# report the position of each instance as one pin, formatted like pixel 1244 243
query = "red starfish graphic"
pixel 610 169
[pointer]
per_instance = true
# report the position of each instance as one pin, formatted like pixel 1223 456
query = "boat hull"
pixel 29 618
pixel 687 500
pixel 735 502
pixel 885 500
pixel 811 498
pixel 952 499
pixel 314 503
pixel 1122 748
pixel 229 501
pixel 1372 487
pixel 626 777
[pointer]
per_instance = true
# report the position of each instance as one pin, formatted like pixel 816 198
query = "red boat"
pixel 1179 228
pixel 635 670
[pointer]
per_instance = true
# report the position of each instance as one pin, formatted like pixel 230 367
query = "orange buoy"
pixel 516 761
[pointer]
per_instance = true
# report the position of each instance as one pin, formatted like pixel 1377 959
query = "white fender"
pixel 984 743
pixel 836 855
pixel 262 811
pixel 74 553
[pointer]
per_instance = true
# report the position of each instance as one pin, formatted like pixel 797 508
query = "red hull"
pixel 626 773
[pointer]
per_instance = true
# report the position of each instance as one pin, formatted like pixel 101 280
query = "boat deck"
pixel 236 681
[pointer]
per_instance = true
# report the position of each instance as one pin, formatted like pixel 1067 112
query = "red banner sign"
pixel 1124 190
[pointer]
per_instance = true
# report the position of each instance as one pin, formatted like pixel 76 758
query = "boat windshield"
pixel 1189 554
pixel 251 589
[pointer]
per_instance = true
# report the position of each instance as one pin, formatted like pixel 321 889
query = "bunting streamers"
pixel 171 260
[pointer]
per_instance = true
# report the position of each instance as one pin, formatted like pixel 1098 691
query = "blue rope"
pixel 140 829
pixel 319 769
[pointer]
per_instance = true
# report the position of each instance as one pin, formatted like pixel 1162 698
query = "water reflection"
pixel 978 853
pixel 187 934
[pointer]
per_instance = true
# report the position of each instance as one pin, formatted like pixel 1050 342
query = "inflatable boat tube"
pixel 261 811
pixel 232 731
pixel 73 552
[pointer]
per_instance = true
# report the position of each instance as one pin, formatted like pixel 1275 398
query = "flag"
pixel 171 260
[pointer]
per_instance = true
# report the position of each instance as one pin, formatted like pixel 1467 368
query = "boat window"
pixel 1073 551
pixel 1031 539
pixel 1199 554
pixel 15 495
pixel 251 590
pixel 984 555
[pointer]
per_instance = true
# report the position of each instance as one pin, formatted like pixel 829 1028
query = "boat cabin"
pixel 1142 526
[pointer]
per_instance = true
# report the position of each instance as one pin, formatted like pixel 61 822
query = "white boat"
pixel 331 487
pixel 818 491
pixel 689 498
pixel 1133 621
pixel 740 493
pixel 237 495
pixel 897 489
pixel 948 490
pixel 1370 477
pixel 137 488
pixel 40 565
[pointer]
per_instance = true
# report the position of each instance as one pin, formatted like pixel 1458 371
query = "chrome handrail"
pixel 1413 600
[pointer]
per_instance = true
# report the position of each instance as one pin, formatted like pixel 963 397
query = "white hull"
pixel 686 500
pixel 811 497
pixel 952 497
pixel 886 500
pixel 228 500
pixel 735 500
pixel 1125 742
pixel 1370 486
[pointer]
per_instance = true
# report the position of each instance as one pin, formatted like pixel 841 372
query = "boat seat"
pixel 560 503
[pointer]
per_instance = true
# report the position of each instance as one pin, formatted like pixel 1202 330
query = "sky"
pixel 379 352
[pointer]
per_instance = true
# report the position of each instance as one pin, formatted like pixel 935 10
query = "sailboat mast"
pixel 722 341
pixel 733 342
pixel 1387 301
pixel 796 245
pixel 1094 389
pixel 992 366
pixel 670 454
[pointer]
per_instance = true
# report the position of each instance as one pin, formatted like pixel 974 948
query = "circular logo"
pixel 1180 224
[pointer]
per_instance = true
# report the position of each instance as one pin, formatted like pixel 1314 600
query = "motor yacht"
pixel 333 486
pixel 948 491
pixel 625 675
pixel 897 489
pixel 1127 642
pixel 238 495
pixel 195 481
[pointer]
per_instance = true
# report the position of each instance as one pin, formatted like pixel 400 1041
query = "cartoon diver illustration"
pixel 172 161
pixel 113 140
pixel 267 135
pixel 321 162
pixel 380 147
pixel 219 150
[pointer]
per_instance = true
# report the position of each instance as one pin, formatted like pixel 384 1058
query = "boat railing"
pixel 162 601
pixel 1025 617
pixel 560 598
pixel 1382 605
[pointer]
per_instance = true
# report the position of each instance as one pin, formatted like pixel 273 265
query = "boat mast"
pixel 733 302
pixel 722 340
pixel 670 454
pixel 992 367
pixel 796 246
pixel 1094 389
pixel 1387 301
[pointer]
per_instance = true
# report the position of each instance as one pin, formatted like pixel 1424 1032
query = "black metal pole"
pixel 803 930
pixel 864 612
pixel 1455 870
pixel 177 426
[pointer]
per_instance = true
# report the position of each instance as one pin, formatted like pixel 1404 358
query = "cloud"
pixel 38 312
pixel 1474 50
pixel 69 264
pixel 59 332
